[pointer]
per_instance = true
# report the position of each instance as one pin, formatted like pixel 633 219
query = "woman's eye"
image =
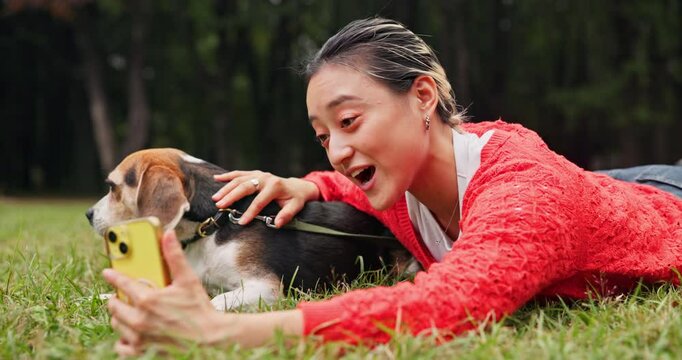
pixel 322 139
pixel 348 121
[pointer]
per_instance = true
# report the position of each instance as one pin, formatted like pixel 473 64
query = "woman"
pixel 494 216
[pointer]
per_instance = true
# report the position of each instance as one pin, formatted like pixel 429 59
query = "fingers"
pixel 290 193
pixel 232 175
pixel 125 314
pixel 232 192
pixel 240 185
pixel 128 335
pixel 259 203
pixel 289 210
pixel 124 349
pixel 133 289
pixel 179 268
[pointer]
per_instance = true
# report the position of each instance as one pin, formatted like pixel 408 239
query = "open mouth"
pixel 364 175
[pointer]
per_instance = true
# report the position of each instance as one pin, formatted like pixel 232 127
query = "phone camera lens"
pixel 123 247
pixel 111 236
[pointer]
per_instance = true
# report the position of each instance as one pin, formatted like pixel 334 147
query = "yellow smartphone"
pixel 134 249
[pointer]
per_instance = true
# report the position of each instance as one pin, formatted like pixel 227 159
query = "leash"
pixel 215 222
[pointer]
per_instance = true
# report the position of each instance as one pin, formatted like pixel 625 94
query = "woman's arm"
pixel 258 329
pixel 290 193
pixel 333 186
pixel 517 239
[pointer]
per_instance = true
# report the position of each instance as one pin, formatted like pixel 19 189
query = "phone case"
pixel 134 250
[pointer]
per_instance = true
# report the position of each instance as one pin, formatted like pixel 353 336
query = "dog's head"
pixel 166 183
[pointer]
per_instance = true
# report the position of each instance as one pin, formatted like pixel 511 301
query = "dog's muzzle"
pixel 89 214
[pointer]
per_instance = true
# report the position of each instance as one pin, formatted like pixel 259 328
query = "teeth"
pixel 356 172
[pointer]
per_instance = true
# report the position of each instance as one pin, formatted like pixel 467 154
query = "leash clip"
pixel 201 228
pixel 231 215
pixel 235 216
pixel 269 221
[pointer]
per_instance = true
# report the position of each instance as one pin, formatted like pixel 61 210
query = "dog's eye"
pixel 111 184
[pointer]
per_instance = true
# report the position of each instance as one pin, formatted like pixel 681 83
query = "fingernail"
pixel 107 273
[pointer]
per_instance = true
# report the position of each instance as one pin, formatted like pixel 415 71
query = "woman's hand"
pixel 182 312
pixel 290 193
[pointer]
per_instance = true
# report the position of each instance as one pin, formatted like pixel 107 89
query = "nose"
pixel 339 151
pixel 89 214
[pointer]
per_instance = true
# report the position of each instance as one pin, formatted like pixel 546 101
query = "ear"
pixel 199 184
pixel 425 89
pixel 160 193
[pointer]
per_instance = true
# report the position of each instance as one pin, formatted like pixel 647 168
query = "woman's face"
pixel 372 135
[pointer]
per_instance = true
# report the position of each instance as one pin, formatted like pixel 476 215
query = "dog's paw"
pixel 240 299
pixel 226 302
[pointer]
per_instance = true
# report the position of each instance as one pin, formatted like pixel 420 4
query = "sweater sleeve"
pixel 335 187
pixel 515 241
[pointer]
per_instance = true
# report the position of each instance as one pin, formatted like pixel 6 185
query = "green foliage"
pixel 220 82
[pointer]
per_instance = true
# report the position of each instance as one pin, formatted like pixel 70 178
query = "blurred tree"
pixel 96 91
pixel 138 107
pixel 83 15
pixel 600 81
pixel 606 74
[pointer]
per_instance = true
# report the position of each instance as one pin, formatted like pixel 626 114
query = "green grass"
pixel 50 264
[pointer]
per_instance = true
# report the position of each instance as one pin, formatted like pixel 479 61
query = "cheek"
pixel 119 206
pixel 129 198
pixel 119 211
pixel 402 157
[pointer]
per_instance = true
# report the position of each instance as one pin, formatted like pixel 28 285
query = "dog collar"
pixel 209 226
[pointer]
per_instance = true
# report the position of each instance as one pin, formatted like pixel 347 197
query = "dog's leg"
pixel 251 292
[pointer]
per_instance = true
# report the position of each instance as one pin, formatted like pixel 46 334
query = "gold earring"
pixel 427 120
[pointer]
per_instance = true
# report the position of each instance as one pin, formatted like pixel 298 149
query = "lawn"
pixel 50 265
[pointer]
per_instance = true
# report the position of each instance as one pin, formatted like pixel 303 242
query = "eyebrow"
pixel 336 102
pixel 131 177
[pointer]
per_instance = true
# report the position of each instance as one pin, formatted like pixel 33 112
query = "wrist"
pixel 223 329
pixel 250 330
pixel 312 191
pixel 307 188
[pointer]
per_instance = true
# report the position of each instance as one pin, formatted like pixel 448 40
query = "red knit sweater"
pixel 532 224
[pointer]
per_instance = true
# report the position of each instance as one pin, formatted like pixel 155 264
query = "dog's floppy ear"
pixel 160 193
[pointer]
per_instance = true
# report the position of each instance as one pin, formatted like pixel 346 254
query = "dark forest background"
pixel 85 82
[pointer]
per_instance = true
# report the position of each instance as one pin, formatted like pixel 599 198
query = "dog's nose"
pixel 89 214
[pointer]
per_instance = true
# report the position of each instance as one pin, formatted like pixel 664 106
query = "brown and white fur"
pixel 239 265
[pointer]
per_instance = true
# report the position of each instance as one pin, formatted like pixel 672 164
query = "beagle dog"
pixel 241 265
